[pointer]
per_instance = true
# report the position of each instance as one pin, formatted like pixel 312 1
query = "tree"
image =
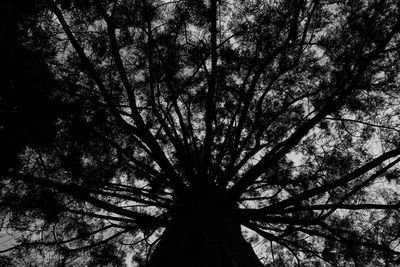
pixel 189 133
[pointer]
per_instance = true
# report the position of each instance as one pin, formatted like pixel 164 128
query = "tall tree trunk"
pixel 203 237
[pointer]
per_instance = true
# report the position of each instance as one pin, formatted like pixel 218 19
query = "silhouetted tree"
pixel 200 133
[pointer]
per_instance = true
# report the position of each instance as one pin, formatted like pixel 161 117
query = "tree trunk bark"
pixel 203 237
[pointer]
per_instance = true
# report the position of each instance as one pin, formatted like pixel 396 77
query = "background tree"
pixel 180 132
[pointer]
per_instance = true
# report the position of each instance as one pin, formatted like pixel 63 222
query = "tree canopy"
pixel 200 133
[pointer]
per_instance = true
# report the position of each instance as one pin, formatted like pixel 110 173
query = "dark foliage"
pixel 199 133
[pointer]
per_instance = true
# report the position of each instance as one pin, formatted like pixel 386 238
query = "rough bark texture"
pixel 203 237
